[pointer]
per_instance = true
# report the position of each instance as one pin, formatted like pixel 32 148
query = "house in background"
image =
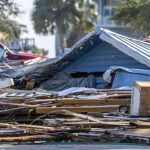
pixel 105 8
pixel 22 44
pixel 105 11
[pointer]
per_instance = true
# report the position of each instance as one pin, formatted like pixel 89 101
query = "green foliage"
pixel 136 13
pixel 30 112
pixel 77 16
pixel 8 26
pixel 41 51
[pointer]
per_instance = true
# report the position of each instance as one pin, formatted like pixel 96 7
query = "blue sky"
pixel 47 42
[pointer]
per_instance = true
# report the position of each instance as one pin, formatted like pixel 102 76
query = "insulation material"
pixel 62 81
pixel 74 90
pixel 6 82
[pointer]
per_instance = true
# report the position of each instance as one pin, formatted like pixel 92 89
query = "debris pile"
pixel 83 96
pixel 87 116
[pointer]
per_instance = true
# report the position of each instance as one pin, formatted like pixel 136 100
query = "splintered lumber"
pixel 98 124
pixel 94 101
pixel 140 124
pixel 16 104
pixel 94 121
pixel 134 132
pixel 26 138
pixel 108 108
pixel 46 128
pixel 7 111
pixel 38 101
pixel 82 116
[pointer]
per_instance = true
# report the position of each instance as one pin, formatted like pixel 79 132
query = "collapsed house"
pixel 82 110
pixel 88 59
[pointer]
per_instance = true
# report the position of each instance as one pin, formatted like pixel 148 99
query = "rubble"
pixel 50 117
pixel 83 96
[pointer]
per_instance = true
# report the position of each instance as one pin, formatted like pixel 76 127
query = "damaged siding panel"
pixel 125 78
pixel 101 58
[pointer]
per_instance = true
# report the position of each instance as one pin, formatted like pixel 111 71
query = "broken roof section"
pixel 92 55
pixel 136 49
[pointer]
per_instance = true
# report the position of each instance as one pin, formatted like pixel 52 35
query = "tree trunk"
pixel 62 39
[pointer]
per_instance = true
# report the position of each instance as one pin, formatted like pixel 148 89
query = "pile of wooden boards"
pixel 27 116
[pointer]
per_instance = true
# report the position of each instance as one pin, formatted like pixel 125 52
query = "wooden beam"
pixel 108 108
pixel 140 124
pixel 27 126
pixel 100 123
pixel 94 102
pixel 26 138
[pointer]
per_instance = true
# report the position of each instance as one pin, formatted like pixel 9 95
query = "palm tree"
pixel 63 15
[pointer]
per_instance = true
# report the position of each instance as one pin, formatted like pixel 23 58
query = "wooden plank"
pixel 95 102
pixel 134 132
pixel 108 108
pixel 12 110
pixel 100 123
pixel 27 126
pixel 38 101
pixel 26 138
pixel 16 104
pixel 140 124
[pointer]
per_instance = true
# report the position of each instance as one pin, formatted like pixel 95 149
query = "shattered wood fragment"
pixel 30 84
pixel 27 126
pixel 11 131
pixel 82 116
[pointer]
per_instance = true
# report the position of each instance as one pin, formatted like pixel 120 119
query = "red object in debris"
pixel 21 56
pixel 5 52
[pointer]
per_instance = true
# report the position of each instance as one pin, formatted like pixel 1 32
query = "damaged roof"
pixel 136 49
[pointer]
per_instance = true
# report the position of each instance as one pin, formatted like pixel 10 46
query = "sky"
pixel 46 42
